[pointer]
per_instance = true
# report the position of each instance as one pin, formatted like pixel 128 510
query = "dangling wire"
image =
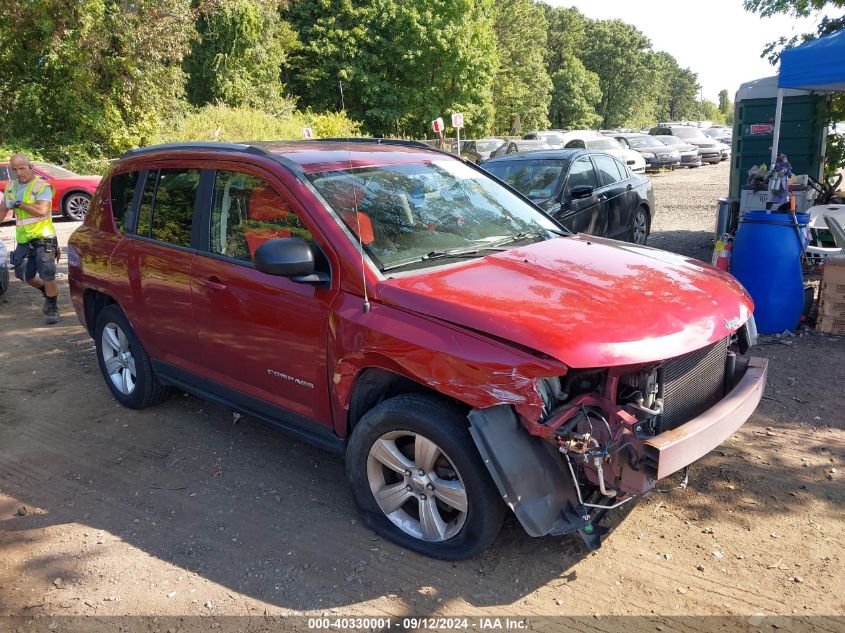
pixel 355 210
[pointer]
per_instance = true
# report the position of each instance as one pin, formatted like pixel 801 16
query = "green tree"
pixel 238 55
pixel 93 76
pixel 575 90
pixel 709 111
pixel 675 89
pixel 724 102
pixel 402 64
pixel 522 85
pixel 575 95
pixel 616 52
pixel 726 107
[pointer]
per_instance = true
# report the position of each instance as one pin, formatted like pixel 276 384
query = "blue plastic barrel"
pixel 767 261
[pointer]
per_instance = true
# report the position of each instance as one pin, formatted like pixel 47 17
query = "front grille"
pixel 692 383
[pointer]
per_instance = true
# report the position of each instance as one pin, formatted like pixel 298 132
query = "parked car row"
pixel 663 146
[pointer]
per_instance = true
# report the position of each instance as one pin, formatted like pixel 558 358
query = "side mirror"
pixel 581 191
pixel 290 257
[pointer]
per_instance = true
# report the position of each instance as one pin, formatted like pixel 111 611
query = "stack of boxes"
pixel 831 318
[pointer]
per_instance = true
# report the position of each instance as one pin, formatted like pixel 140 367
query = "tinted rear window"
pixel 173 209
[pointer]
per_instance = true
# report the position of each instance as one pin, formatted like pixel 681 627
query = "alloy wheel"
pixel 118 359
pixel 417 486
pixel 76 206
pixel 640 229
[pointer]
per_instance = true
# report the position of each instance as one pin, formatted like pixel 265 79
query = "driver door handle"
pixel 213 283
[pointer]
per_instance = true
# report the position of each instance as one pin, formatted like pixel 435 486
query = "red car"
pixel 71 192
pixel 400 306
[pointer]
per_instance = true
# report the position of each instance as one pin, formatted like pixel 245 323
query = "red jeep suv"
pixel 403 307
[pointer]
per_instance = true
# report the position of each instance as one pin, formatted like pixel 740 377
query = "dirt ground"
pixel 180 509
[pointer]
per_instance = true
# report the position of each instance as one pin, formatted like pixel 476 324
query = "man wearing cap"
pixel 30 199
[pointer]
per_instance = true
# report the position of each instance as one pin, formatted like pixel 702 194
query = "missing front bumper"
pixel 672 450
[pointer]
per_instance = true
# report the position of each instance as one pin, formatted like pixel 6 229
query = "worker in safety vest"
pixel 31 200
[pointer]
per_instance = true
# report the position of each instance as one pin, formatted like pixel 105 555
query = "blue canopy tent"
pixel 817 65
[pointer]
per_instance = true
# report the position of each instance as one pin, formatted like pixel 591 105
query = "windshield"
pixel 717 132
pixel 535 179
pixel 54 170
pixel 640 141
pixel 688 133
pixel 670 140
pixel 411 215
pixel 603 143
pixel 488 146
pixel 551 137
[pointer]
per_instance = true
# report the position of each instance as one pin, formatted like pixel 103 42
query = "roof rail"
pixel 381 141
pixel 197 145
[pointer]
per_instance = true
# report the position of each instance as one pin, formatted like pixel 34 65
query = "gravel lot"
pixel 181 510
pixel 686 209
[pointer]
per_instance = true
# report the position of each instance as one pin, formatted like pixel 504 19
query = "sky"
pixel 718 39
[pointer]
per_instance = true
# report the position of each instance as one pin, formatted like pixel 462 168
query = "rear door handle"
pixel 213 283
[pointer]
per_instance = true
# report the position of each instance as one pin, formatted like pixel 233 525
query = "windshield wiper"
pixel 472 251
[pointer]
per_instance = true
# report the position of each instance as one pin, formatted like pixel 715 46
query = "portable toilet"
pixel 802 131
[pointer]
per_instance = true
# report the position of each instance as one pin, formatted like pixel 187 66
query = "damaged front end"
pixel 609 435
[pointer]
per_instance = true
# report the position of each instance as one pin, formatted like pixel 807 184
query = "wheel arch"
pixel 373 385
pixel 93 302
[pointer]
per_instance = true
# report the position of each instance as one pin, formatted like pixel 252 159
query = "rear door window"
pixel 576 144
pixel 166 213
pixel 608 169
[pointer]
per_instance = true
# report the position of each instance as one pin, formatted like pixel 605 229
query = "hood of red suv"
pixel 587 302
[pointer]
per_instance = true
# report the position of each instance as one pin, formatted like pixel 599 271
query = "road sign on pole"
pixel 457 120
pixel 307 132
pixel 437 125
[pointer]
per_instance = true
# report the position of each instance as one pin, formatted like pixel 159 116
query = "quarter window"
pixel 246 212
pixel 122 195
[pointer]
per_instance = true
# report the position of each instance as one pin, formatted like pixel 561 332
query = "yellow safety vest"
pixel 29 226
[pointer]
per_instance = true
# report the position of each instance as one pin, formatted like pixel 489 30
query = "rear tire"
pixel 435 496
pixel 124 362
pixel 640 226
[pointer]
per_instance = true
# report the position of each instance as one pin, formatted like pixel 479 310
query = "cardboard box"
pixel 831 316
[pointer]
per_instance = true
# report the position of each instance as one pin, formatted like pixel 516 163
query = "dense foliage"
pixel 238 55
pixel 401 63
pixel 521 86
pixel 85 80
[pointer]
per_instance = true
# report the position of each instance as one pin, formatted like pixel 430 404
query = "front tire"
pixel 419 481
pixel 75 205
pixel 124 362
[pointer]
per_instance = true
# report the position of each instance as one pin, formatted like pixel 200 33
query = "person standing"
pixel 31 200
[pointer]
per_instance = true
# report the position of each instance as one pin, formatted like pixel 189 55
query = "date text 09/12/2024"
pixel 412 624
